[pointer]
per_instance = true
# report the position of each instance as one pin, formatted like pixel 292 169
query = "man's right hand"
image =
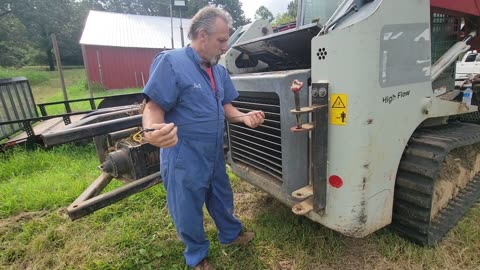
pixel 163 135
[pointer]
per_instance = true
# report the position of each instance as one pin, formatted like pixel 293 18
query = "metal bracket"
pixel 28 128
pixel 315 194
pixel 319 146
pixel 67 120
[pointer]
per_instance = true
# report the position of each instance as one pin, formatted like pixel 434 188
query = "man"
pixel 189 96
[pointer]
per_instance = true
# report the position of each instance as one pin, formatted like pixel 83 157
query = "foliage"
pixel 13 44
pixel 162 8
pixel 283 18
pixel 234 7
pixel 289 16
pixel 42 18
pixel 264 13
pixel 139 7
pixel 292 8
pixel 26 25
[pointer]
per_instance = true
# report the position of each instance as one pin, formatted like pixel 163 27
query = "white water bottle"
pixel 467 96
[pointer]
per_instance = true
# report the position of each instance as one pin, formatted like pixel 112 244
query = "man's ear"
pixel 202 34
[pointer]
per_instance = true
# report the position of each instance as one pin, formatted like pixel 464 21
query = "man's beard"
pixel 213 61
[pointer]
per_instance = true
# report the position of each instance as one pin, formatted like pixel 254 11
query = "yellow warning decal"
pixel 339 109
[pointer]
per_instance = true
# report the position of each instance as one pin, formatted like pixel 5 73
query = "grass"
pixel 34 75
pixel 46 87
pixel 52 188
pixel 77 90
pixel 137 233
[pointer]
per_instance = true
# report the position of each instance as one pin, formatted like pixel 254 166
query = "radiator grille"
pixel 260 148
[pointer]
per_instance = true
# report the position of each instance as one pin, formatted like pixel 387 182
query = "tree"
pixel 234 7
pixel 289 16
pixel 138 7
pixel 13 42
pixel 45 17
pixel 263 13
pixel 26 25
pixel 283 18
pixel 162 8
pixel 292 8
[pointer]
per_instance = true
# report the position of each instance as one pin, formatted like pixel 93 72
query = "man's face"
pixel 216 43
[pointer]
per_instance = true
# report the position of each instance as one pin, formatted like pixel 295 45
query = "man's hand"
pixel 254 119
pixel 163 135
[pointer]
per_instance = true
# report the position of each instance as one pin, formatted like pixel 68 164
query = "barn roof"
pixel 128 30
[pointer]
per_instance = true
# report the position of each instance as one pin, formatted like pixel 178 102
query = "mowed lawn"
pixel 137 233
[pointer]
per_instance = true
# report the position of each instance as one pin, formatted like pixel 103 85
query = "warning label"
pixel 338 103
pixel 338 109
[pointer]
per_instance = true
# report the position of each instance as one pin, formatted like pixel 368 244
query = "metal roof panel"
pixel 128 30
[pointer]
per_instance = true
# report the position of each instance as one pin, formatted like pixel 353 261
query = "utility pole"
pixel 181 30
pixel 171 23
pixel 60 70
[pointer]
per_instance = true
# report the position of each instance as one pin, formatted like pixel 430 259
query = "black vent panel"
pixel 260 148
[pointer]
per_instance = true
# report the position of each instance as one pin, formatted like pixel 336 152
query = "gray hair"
pixel 205 19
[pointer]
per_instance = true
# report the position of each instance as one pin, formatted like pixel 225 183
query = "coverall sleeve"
pixel 161 87
pixel 230 92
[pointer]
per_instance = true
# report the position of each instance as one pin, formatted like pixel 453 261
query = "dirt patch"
pixel 458 168
pixel 249 200
pixel 22 217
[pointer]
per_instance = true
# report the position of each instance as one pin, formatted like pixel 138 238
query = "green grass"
pixel 34 76
pixel 137 232
pixel 79 90
pixel 46 87
pixel 20 178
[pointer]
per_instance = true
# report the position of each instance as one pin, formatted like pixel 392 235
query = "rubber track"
pixel 418 170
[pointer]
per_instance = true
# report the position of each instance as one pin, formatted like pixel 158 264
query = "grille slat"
pixel 256 144
pixel 240 134
pixel 259 159
pixel 256 166
pixel 242 146
pixel 256 105
pixel 264 126
pixel 257 131
pixel 260 148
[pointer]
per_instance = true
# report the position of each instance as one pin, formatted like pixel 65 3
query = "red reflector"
pixel 335 181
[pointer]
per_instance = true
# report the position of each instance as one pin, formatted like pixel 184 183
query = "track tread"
pixel 418 170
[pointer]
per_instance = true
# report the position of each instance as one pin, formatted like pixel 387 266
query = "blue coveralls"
pixel 193 171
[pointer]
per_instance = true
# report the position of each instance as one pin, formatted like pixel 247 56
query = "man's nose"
pixel 224 48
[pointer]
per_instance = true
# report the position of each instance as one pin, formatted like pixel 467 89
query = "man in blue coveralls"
pixel 188 98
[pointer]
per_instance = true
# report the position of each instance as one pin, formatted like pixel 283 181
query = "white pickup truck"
pixel 470 65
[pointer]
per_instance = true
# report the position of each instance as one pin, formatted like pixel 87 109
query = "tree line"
pixel 26 25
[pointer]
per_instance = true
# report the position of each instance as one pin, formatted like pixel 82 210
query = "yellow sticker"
pixel 339 109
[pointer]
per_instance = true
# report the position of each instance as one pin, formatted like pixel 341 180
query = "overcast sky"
pixel 275 6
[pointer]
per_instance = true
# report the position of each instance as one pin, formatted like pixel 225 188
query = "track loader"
pixel 378 135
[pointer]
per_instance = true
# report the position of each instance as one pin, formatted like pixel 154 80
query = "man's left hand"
pixel 254 119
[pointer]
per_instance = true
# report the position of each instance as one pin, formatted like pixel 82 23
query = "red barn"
pixel 118 48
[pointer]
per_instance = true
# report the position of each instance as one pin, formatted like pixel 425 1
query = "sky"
pixel 275 6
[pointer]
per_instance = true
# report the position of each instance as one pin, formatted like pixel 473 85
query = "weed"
pixel 138 233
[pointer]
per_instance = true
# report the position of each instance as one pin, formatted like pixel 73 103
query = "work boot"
pixel 242 240
pixel 204 265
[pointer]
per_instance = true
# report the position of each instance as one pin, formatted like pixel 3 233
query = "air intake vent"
pixel 322 54
pixel 260 148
